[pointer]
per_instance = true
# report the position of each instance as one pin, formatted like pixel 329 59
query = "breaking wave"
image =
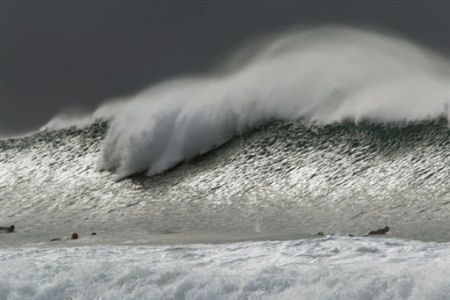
pixel 334 130
pixel 323 75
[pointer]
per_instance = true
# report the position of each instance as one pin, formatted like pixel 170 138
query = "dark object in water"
pixel 8 229
pixel 93 233
pixel 380 231
pixel 74 236
pixel 320 233
pixel 55 239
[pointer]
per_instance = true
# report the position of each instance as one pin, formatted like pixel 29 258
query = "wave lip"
pixel 325 75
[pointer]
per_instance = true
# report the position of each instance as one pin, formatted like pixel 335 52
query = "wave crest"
pixel 325 75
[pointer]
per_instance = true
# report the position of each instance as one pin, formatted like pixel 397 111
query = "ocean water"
pixel 215 187
pixel 333 267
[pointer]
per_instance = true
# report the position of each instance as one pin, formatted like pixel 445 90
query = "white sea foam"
pixel 325 74
pixel 328 268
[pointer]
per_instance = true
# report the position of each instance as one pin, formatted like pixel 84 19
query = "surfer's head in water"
pixel 8 229
pixel 380 231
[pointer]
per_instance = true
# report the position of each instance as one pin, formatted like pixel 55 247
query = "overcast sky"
pixel 57 54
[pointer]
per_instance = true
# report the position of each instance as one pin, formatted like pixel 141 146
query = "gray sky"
pixel 58 54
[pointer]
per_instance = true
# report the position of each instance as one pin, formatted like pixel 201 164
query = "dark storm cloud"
pixel 58 54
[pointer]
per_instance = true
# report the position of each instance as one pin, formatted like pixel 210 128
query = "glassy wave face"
pixel 281 179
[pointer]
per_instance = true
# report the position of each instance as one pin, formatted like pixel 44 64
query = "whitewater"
pixel 215 186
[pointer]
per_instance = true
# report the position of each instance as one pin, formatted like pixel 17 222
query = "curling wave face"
pixel 279 180
pixel 324 75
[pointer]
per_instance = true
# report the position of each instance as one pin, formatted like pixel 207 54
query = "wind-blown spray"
pixel 323 75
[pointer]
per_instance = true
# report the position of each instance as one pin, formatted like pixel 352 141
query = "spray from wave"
pixel 324 75
pixel 80 119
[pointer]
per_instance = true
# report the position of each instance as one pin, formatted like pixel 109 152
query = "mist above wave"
pixel 323 75
pixel 81 119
